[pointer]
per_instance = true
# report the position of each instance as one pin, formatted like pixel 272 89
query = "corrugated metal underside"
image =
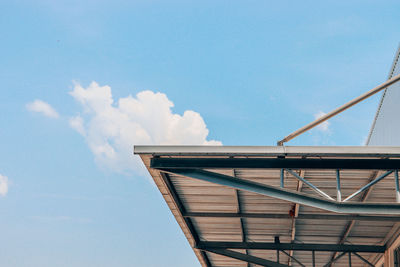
pixel 200 196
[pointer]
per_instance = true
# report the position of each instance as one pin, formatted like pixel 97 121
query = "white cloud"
pixel 3 185
pixel 324 127
pixel 112 128
pixel 42 107
pixel 77 124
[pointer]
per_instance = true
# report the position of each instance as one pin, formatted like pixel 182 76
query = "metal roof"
pixel 250 206
pixel 383 131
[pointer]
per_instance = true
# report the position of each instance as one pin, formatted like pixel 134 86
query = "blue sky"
pixel 248 72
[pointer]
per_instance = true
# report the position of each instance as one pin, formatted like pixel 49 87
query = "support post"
pixel 313 258
pixel 282 177
pixel 349 259
pixel 396 178
pixel 338 191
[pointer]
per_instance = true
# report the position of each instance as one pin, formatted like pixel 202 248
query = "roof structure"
pixel 383 131
pixel 280 206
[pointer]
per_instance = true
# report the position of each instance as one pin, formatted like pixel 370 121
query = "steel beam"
pixel 275 163
pixel 245 258
pixel 290 246
pixel 302 216
pixel 292 196
pixel 181 209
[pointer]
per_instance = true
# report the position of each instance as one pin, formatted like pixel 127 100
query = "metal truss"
pixel 292 196
pixel 354 211
pixel 224 249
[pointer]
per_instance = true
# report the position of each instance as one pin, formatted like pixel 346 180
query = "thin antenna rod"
pixel 339 109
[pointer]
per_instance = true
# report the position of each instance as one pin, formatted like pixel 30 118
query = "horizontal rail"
pixel 275 163
pixel 311 216
pixel 291 246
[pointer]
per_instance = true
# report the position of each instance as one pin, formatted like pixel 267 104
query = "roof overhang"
pixel 237 203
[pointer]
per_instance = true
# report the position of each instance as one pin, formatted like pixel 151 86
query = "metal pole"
pixel 339 109
pixel 349 259
pixel 282 177
pixel 365 187
pixel 339 193
pixel 396 178
pixel 277 256
pixel 313 258
pixel 316 189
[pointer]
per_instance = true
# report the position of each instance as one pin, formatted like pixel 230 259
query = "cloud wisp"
pixel 3 185
pixel 42 107
pixel 323 127
pixel 111 128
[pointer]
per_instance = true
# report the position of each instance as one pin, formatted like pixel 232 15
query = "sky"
pixel 82 82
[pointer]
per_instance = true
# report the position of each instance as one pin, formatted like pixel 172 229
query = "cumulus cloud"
pixel 3 185
pixel 111 128
pixel 324 127
pixel 43 108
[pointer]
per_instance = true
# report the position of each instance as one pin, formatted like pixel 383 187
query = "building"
pixel 288 206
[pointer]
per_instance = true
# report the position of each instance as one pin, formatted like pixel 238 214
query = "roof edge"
pixel 361 151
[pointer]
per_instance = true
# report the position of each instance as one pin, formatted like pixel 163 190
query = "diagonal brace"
pixel 365 187
pixel 316 189
pixel 363 259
